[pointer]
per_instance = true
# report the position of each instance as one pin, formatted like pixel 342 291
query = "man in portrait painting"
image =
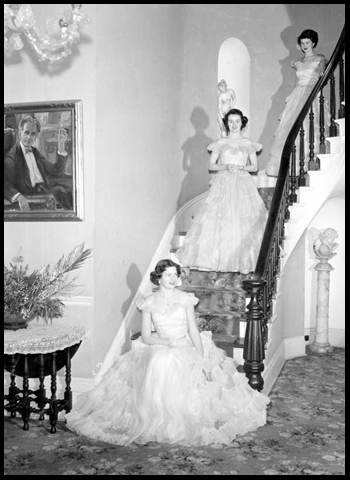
pixel 29 175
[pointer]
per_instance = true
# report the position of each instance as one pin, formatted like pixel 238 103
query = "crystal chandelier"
pixel 60 34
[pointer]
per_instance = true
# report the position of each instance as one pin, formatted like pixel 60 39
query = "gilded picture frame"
pixel 43 161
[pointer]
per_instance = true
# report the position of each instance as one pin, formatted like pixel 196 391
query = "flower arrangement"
pixel 37 294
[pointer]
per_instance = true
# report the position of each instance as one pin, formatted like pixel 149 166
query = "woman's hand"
pixel 234 168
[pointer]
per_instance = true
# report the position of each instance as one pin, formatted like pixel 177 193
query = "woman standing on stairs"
pixel 226 233
pixel 308 70
pixel 175 386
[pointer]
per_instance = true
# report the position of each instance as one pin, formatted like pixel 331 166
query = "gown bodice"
pixel 307 72
pixel 169 317
pixel 234 151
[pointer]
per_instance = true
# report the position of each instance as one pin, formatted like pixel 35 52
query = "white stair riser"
pixel 327 161
pixel 242 329
pixel 305 194
pixel 317 177
pixel 334 144
pixel 341 123
pixel 238 355
pixel 296 210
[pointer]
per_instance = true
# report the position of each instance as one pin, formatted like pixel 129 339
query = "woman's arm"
pixel 322 65
pixel 213 166
pixel 193 330
pixel 146 332
pixel 253 167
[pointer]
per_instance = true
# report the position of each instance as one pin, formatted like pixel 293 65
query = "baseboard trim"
pixel 294 347
pixel 336 336
pixel 289 348
pixel 273 369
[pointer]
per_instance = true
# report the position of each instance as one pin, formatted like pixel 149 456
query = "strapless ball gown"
pixel 170 394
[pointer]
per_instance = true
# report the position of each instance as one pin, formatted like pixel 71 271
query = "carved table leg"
pixel 25 398
pixel 42 391
pixel 13 388
pixel 68 397
pixel 53 402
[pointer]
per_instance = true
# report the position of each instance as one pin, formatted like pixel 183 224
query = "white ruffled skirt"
pixel 226 233
pixel 170 395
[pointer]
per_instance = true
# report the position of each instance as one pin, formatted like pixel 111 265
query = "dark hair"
pixel 29 119
pixel 310 34
pixel 234 111
pixel 161 266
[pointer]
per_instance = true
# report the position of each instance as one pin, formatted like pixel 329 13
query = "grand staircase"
pixel 243 311
pixel 223 300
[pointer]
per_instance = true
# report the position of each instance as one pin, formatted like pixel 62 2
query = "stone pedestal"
pixel 323 247
pixel 321 344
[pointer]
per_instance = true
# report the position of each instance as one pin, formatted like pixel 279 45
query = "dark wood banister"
pixel 253 353
pixel 284 166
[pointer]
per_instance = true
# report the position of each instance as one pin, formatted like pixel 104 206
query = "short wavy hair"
pixel 29 119
pixel 160 268
pixel 310 34
pixel 234 111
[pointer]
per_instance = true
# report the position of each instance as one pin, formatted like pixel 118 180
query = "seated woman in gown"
pixel 175 386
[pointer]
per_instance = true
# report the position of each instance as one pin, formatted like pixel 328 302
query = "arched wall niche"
pixel 234 67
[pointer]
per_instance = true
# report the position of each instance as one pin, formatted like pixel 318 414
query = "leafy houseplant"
pixel 40 293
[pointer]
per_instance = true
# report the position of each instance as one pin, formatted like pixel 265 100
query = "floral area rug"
pixel 304 436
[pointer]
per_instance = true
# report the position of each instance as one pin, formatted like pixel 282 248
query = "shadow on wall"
pixel 327 20
pixel 133 281
pixel 278 100
pixel 195 159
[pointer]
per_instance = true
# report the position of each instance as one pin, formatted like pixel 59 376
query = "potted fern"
pixel 40 293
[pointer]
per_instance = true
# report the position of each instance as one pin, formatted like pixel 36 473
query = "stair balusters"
pixel 302 179
pixel 341 111
pixel 322 147
pixel 333 126
pixel 312 163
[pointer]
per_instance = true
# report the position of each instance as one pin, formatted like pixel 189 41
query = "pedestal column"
pixel 324 250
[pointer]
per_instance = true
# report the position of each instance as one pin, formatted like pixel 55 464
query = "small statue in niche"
pixel 226 101
pixel 324 244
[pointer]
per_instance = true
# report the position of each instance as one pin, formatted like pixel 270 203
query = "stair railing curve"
pixel 261 286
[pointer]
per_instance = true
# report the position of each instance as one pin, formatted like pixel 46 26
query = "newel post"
pixel 254 352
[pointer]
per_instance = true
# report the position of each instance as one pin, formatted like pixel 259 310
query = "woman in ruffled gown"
pixel 226 233
pixel 175 386
pixel 308 70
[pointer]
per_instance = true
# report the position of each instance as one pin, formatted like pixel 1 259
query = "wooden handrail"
pixel 263 281
pixel 266 244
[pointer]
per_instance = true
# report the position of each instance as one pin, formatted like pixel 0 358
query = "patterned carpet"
pixel 304 436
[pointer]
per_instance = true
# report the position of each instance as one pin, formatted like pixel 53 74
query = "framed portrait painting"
pixel 43 161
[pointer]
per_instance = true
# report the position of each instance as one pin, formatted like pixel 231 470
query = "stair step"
pixel 214 300
pixel 333 144
pixel 228 280
pixel 341 123
pixel 221 323
pixel 326 161
pixel 305 194
pixel 317 177
pixel 296 210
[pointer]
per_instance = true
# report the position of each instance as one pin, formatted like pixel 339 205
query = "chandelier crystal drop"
pixel 61 34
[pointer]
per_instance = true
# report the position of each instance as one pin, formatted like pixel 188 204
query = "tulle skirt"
pixel 170 395
pixel 226 233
